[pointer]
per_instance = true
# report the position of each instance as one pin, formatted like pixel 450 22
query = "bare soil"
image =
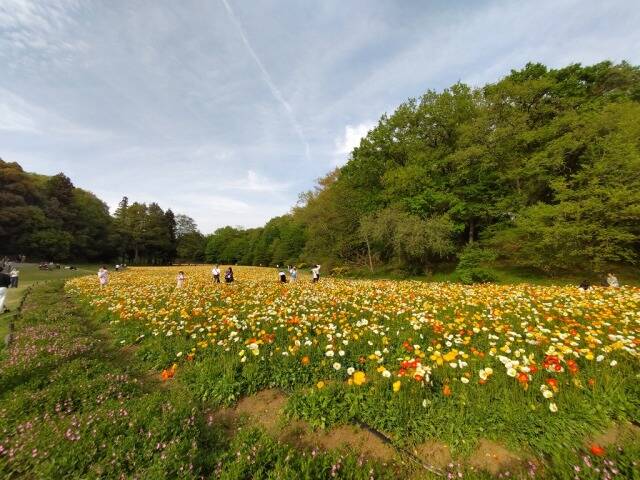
pixel 616 434
pixel 433 453
pixel 494 458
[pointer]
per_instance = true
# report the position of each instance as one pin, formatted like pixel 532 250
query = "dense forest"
pixel 540 170
pixel 48 218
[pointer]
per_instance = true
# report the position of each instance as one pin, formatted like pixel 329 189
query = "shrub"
pixel 473 266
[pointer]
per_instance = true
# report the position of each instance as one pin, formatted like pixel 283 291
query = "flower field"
pixel 540 369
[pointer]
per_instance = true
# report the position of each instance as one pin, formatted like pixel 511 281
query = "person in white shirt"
pixel 216 274
pixel 315 274
pixel 103 276
pixel 612 280
pixel 180 279
pixel 293 273
pixel 15 273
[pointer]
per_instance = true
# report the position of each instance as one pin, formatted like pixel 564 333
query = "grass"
pixel 30 275
pixel 505 276
pixel 75 405
pixel 211 332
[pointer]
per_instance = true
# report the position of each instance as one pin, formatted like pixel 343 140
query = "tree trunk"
pixel 366 239
pixel 472 230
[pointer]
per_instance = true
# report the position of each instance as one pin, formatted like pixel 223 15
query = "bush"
pixel 473 266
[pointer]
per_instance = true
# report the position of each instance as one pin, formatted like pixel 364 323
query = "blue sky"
pixel 226 110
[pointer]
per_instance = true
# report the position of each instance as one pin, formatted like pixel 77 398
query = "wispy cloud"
pixel 19 115
pixel 215 109
pixel 275 91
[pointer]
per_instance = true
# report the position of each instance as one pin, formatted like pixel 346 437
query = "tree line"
pixel 539 170
pixel 48 218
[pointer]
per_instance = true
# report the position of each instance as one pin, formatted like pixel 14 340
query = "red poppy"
pixel 597 450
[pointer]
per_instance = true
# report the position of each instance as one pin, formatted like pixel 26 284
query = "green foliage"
pixel 407 239
pixel 543 166
pixel 279 242
pixel 48 218
pixel 474 265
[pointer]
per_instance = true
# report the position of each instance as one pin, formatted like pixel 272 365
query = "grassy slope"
pixel 74 405
pixel 30 275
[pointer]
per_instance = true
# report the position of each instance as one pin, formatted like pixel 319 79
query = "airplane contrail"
pixel 275 91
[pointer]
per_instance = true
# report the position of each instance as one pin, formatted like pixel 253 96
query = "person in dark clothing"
pixel 283 276
pixel 228 276
pixel 584 285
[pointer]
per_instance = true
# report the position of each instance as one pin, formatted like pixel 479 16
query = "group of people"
pixel 7 281
pixel 293 274
pixel 228 275
pixel 610 281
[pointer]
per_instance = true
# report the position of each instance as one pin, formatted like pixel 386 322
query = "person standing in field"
pixel 180 279
pixel 612 281
pixel 14 275
pixel 103 276
pixel 315 274
pixel 5 281
pixel 216 274
pixel 293 273
pixel 228 276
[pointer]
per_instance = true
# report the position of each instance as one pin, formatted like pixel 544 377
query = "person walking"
pixel 315 274
pixel 5 282
pixel 180 279
pixel 228 276
pixel 612 281
pixel 14 275
pixel 216 274
pixel 103 276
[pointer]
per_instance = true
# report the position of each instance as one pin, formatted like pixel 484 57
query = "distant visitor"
pixel 228 276
pixel 103 276
pixel 180 279
pixel 315 274
pixel 216 274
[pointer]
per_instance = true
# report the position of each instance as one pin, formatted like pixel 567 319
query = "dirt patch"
pixel 353 438
pixel 226 418
pixel 433 453
pixel 264 408
pixel 494 458
pixel 616 434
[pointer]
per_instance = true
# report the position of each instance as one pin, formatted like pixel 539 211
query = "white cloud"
pixel 275 91
pixel 351 139
pixel 253 182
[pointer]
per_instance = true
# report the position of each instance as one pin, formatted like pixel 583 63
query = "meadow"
pixel 31 275
pixel 540 380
